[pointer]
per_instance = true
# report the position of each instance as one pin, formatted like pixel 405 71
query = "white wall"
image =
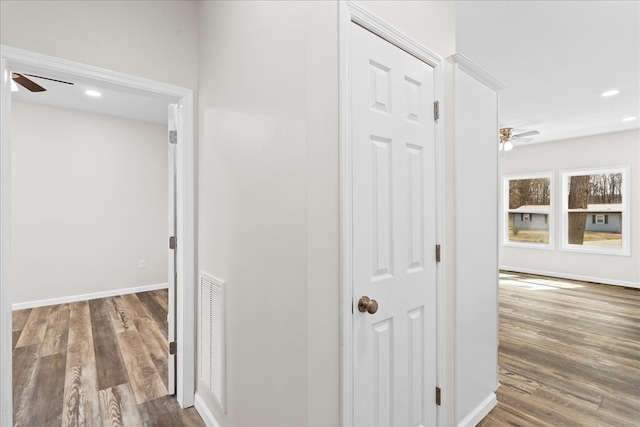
pixel 268 204
pixel 152 39
pixel 476 166
pixel 89 200
pixel 613 149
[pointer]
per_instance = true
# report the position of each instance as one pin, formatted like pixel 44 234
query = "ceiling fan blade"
pixel 27 83
pixel 47 78
pixel 530 133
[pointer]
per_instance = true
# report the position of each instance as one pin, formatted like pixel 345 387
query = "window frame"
pixel 550 219
pixel 625 249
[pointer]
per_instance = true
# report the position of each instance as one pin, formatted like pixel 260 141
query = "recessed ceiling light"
pixel 93 93
pixel 628 119
pixel 610 92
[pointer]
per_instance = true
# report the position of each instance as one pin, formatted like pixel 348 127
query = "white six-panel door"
pixel 394 232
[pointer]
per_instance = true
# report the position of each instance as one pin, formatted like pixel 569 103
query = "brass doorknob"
pixel 368 305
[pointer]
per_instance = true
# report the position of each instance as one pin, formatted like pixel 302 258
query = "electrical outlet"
pixel 142 264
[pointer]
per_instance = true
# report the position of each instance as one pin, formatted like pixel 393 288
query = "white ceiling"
pixel 115 100
pixel 555 58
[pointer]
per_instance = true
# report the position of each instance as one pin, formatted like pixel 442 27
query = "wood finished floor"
pixel 569 354
pixel 101 362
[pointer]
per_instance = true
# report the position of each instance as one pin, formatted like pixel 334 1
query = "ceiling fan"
pixel 507 137
pixel 27 83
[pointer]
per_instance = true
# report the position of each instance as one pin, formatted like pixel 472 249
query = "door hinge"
pixel 437 253
pixel 173 137
pixel 172 242
pixel 438 396
pixel 436 110
pixel 172 347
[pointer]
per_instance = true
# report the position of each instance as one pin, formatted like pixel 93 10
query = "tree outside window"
pixel 594 210
pixel 528 208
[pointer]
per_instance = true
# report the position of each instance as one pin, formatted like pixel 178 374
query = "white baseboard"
pixel 85 297
pixel 479 412
pixel 603 280
pixel 204 412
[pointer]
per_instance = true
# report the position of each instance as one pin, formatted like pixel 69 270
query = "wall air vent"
pixel 211 338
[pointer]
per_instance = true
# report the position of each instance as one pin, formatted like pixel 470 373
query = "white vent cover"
pixel 211 343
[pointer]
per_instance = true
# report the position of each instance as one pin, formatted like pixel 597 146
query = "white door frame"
pixel 349 12
pixel 185 317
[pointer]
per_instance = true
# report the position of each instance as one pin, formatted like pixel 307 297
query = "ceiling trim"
pixel 475 71
pixel 372 23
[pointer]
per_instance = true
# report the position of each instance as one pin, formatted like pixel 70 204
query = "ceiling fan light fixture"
pixel 629 119
pixel 508 146
pixel 507 137
pixel 609 93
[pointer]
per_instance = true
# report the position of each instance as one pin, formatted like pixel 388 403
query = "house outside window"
pixel 595 215
pixel 528 210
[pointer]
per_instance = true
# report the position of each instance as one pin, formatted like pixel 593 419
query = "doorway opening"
pixel 182 212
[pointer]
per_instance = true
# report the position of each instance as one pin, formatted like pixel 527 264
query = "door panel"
pixel 393 143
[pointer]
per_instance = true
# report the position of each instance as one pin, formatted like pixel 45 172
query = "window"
pixel 527 208
pixel 595 216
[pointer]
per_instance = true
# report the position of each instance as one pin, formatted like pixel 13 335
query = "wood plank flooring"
pixel 569 354
pixel 101 362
